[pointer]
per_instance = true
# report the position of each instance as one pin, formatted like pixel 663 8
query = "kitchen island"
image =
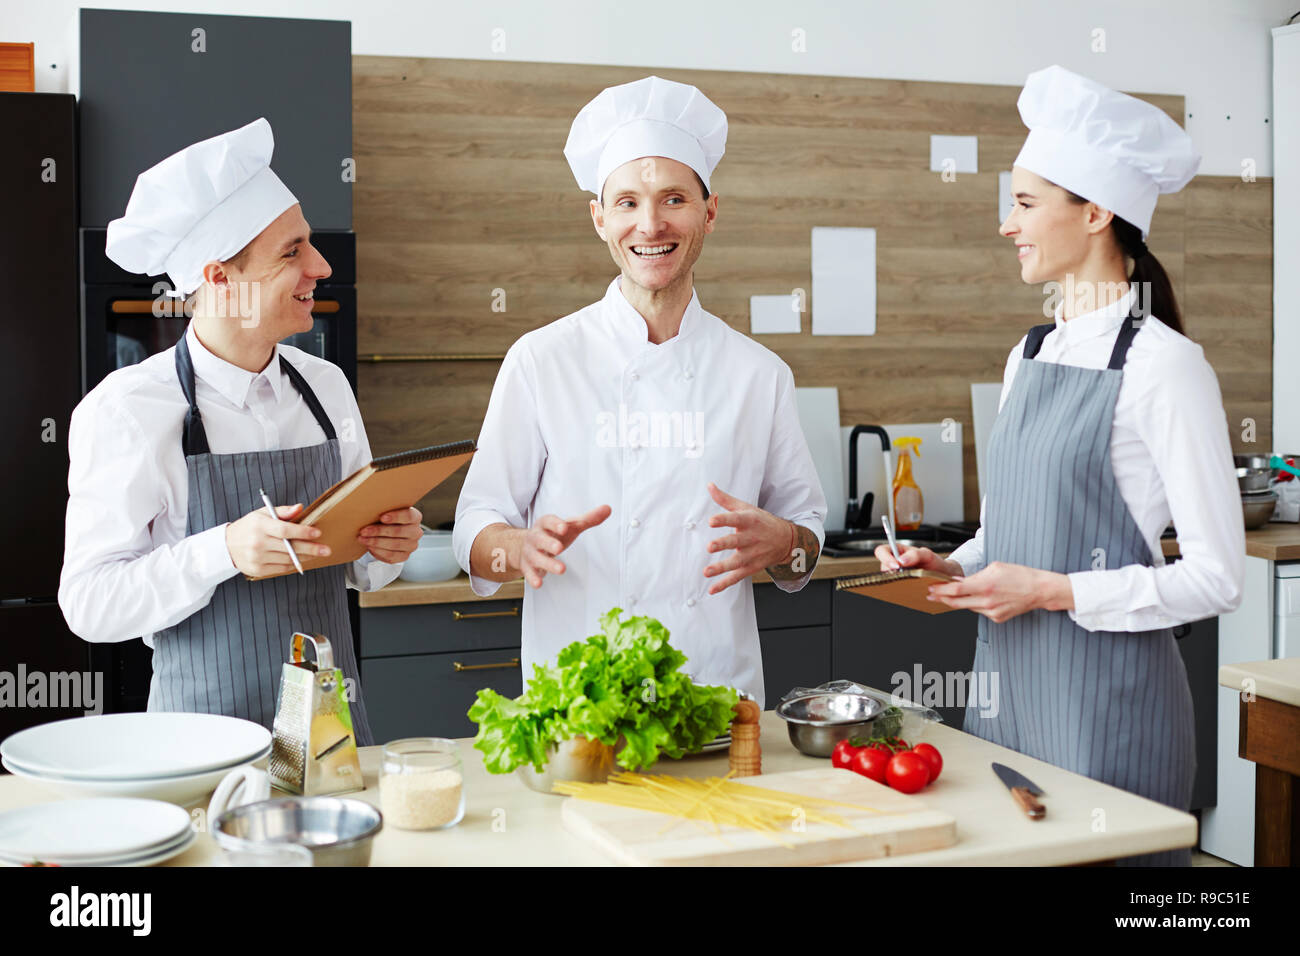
pixel 506 824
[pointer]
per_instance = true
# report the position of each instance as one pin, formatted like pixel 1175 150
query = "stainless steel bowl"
pixel 817 722
pixel 335 830
pixel 1253 472
pixel 577 759
pixel 1256 509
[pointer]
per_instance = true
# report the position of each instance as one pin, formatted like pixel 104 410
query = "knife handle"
pixel 1029 803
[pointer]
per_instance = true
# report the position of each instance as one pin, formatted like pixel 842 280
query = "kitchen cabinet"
pixel 900 650
pixel 409 653
pixel 794 632
pixel 421 665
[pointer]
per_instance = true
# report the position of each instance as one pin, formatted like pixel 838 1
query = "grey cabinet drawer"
pixel 425 696
pixel 806 608
pixel 794 657
pixel 440 628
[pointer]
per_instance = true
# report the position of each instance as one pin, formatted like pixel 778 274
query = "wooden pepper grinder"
pixel 746 753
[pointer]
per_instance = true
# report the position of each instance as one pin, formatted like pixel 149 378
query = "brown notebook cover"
pixel 394 481
pixel 906 587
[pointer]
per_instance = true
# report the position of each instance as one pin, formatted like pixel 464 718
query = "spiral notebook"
pixel 388 483
pixel 906 587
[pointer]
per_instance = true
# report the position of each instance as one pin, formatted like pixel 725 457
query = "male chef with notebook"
pixel 169 457
pixel 641 453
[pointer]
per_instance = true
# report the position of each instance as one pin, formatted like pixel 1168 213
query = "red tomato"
pixel 907 772
pixel 843 753
pixel 931 754
pixel 871 763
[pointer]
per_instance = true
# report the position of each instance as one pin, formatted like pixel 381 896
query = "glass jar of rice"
pixel 421 786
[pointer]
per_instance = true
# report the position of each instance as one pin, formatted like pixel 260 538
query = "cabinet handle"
pixel 457 665
pixel 462 616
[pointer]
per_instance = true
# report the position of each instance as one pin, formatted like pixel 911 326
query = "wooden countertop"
pixel 457 589
pixel 1276 679
pixel 506 824
pixel 1273 542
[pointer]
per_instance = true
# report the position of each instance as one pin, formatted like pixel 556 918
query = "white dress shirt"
pixel 1172 458
pixel 129 569
pixel 586 411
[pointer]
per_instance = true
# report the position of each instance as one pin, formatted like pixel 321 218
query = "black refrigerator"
pixel 44 667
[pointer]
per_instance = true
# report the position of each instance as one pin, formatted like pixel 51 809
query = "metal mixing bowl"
pixel 1258 508
pixel 335 830
pixel 1253 472
pixel 818 722
pixel 576 759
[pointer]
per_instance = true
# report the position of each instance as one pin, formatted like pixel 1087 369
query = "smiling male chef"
pixel 169 457
pixel 641 453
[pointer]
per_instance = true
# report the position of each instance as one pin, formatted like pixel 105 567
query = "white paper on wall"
pixel 1005 200
pixel 769 314
pixel 960 154
pixel 844 281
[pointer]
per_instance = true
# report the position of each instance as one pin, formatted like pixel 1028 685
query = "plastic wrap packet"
pixel 1288 500
pixel 902 718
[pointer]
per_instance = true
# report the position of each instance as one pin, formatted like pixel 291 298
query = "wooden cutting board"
pixel 638 836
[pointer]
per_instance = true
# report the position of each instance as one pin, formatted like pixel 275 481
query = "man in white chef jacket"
pixel 641 453
pixel 169 457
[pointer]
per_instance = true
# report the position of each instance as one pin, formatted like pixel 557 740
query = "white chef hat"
pixel 1109 148
pixel 649 117
pixel 200 205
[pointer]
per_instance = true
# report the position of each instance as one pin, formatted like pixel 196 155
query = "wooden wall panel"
pixel 462 189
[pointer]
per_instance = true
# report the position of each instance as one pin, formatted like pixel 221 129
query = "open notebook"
pixel 388 483
pixel 906 587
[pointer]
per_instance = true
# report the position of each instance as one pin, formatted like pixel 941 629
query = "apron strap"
pixel 309 397
pixel 194 439
pixel 1034 340
pixel 1118 355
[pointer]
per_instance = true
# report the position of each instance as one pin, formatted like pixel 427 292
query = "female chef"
pixel 1110 424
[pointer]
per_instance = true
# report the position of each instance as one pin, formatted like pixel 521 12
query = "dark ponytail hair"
pixel 1148 273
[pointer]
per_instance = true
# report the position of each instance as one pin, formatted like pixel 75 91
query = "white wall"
pixel 1214 52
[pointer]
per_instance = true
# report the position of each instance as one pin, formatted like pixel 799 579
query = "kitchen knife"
pixel 1023 789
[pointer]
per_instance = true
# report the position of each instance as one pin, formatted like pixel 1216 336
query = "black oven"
pixel 125 318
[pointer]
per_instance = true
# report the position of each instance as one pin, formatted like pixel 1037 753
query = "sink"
pixel 869 545
pixel 864 541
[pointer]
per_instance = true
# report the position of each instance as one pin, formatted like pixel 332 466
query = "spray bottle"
pixel 909 506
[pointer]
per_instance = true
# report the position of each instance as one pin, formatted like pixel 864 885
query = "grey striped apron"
pixel 227 657
pixel 1114 706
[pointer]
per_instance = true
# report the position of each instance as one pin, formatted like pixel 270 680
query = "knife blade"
pixel 1023 790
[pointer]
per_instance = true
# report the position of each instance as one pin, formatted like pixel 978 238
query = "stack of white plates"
pixel 179 758
pixel 95 832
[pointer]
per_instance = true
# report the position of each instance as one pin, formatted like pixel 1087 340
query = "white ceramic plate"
pixel 183 791
pixel 147 858
pixel 136 745
pixel 31 771
pixel 90 829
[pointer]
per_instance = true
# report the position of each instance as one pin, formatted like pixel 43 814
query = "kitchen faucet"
pixel 854 517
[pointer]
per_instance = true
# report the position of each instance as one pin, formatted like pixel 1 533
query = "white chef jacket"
pixel 129 569
pixel 1172 458
pixel 586 411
